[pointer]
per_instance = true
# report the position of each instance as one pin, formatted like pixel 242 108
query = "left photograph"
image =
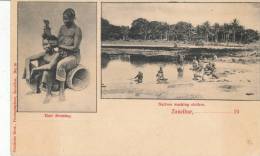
pixel 56 57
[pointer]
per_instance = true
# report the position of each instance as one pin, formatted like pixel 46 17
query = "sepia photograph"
pixel 56 55
pixel 188 51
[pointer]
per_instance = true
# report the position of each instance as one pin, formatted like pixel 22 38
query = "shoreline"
pixel 166 48
pixel 172 45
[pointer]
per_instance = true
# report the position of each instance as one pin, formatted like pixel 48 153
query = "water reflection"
pixel 122 68
pixel 105 58
pixel 140 59
pixel 136 60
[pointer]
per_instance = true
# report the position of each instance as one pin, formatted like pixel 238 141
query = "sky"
pixel 30 26
pixel 248 14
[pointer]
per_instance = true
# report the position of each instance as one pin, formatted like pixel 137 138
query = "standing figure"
pixel 199 73
pixel 195 64
pixel 180 65
pixel 180 59
pixel 69 38
pixel 215 57
pixel 180 69
pixel 214 71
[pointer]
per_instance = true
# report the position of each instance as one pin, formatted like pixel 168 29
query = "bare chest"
pixel 67 32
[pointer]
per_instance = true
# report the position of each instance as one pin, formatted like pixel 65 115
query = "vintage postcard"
pixel 135 78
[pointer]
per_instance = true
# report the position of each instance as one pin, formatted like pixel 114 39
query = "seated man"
pixel 210 69
pixel 160 76
pixel 44 73
pixel 139 77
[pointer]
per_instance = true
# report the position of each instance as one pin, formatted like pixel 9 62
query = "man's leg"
pixel 27 71
pixel 38 79
pixel 62 89
pixel 63 66
pixel 47 79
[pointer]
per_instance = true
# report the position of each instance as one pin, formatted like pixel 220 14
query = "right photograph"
pixel 187 51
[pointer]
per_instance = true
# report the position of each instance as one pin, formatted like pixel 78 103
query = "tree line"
pixel 142 29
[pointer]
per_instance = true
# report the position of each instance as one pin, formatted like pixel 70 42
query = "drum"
pixel 77 79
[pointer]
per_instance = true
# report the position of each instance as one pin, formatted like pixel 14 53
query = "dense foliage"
pixel 142 29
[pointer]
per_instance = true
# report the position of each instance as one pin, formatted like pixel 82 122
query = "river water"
pixel 123 68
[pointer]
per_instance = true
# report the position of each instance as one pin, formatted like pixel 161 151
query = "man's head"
pixel 50 43
pixel 69 16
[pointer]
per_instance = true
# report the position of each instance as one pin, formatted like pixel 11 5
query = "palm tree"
pixel 172 32
pixel 241 31
pixel 226 32
pixel 206 29
pixel 163 30
pixel 216 28
pixel 234 24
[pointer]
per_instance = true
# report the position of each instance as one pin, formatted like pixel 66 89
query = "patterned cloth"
pixel 66 64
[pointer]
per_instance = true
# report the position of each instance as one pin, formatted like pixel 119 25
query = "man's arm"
pixel 48 66
pixel 35 57
pixel 28 61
